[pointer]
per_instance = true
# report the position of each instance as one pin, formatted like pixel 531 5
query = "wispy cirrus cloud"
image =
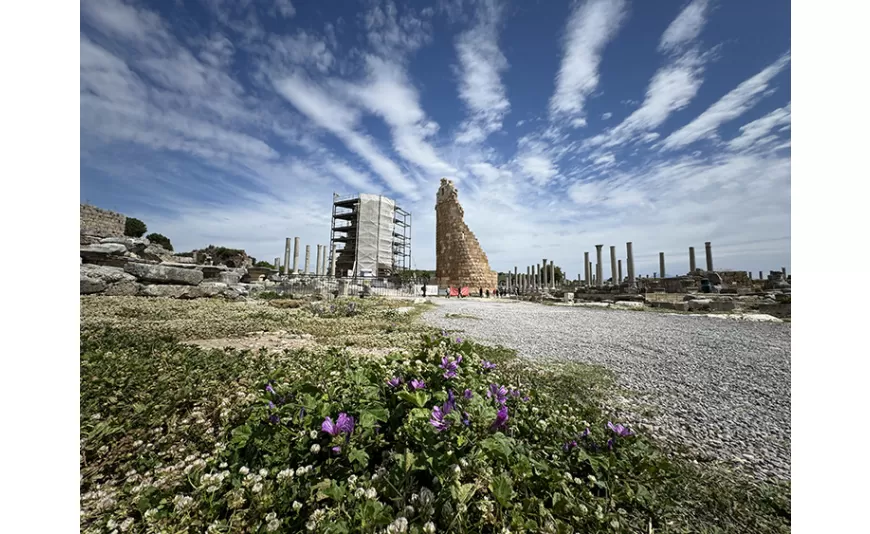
pixel 481 65
pixel 757 131
pixel 729 107
pixel 590 27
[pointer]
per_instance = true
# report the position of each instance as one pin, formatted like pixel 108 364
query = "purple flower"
pixel 418 384
pixel 570 445
pixel 270 389
pixel 500 393
pixel 345 423
pixel 394 382
pixel 336 449
pixel 274 419
pixel 467 394
pixel 451 402
pixel 329 427
pixel 301 412
pixel 526 398
pixel 466 419
pixel 515 393
pixel 488 365
pixel 610 443
pixel 450 366
pixel 619 430
pixel 459 340
pixel 501 418
pixel 437 419
pixel 585 433
pixel 271 405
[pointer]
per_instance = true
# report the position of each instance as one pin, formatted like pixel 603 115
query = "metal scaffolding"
pixel 371 236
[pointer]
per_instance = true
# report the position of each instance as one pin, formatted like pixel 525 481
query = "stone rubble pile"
pixel 126 266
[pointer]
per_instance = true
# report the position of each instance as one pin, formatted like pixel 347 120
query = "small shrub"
pixel 264 264
pixel 133 227
pixel 287 304
pixel 160 239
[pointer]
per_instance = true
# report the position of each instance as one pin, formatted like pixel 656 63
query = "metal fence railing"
pixel 352 287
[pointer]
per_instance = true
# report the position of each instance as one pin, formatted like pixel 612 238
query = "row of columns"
pixel 595 278
pixel 320 265
pixel 539 276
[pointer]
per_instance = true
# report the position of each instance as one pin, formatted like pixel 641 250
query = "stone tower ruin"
pixel 459 260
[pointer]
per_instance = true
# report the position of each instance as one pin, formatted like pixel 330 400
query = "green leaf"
pixel 501 488
pixel 409 460
pixel 369 416
pixel 241 435
pixel 417 398
pixel 497 446
pixel 463 493
pixel 359 456
pixel 334 492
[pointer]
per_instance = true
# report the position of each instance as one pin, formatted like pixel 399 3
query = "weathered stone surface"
pixel 699 304
pixel 210 272
pixel 88 285
pixel 459 258
pixel 241 289
pixel 164 275
pixel 229 277
pixel 133 244
pixel 123 289
pixel 179 265
pixel 109 275
pixel 568 297
pixel 207 290
pixel 94 221
pixel 164 290
pixel 103 249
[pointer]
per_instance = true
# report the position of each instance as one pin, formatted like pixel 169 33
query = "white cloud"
pixel 339 119
pixel 284 8
pixel 538 168
pixel 606 116
pixel 685 28
pixel 480 85
pixel 756 131
pixel 590 27
pixel 393 35
pixel 606 160
pixel 388 93
pixel 359 181
pixel 729 107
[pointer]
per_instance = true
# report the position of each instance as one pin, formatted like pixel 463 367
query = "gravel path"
pixel 721 388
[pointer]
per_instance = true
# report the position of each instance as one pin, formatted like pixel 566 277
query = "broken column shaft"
pixel 598 265
pixel 709 250
pixel 613 278
pixel 691 260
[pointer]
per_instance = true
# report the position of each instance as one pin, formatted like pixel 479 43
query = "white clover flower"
pixel 257 488
pixel 401 524
pixel 111 523
pixel 309 468
pixel 125 524
pixel 270 516
pixel 457 470
pixel 96 417
pixel 315 448
pixel 429 528
pixel 371 493
pixel 212 489
pixel 223 465
pixel 244 470
pixel 297 505
pixel 273 525
pixel 137 443
pixel 313 434
pixel 149 514
pixel 264 472
pixel 463 462
pixel 568 476
pixel 414 497
pixel 311 525
pixel 359 493
pixel 300 471
pixel 352 480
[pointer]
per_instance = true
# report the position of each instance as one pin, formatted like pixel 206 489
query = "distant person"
pixel 424 290
pixel 481 292
pixel 487 293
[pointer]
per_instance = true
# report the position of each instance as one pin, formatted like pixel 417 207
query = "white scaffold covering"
pixel 375 234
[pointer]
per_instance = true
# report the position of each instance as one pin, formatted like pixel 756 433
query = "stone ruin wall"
pixel 459 259
pixel 97 222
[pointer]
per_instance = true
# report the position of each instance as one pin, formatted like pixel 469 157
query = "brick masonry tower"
pixel 459 260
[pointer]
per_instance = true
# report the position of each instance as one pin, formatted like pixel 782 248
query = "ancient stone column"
pixel 515 275
pixel 278 264
pixel 783 272
pixel 613 265
pixel 598 265
pixel 629 260
pixel 544 281
pixel 295 255
pixel 691 259
pixel 750 275
pixel 307 257
pixel 709 251
pixel 619 271
pixel 552 275
pixel 317 264
pixel 286 254
pixel 591 272
pixel 332 265
pixel 662 263
pixel 761 275
pixel 325 260
pixel 586 275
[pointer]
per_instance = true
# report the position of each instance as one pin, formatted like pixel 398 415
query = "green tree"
pixel 264 264
pixel 160 239
pixel 133 227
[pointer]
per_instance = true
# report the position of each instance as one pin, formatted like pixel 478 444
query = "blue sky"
pixel 563 124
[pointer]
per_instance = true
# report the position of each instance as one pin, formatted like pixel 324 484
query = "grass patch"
pixel 176 437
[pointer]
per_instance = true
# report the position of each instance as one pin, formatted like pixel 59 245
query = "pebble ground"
pixel 721 389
